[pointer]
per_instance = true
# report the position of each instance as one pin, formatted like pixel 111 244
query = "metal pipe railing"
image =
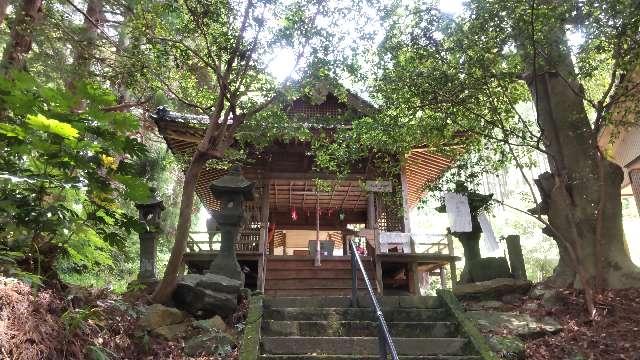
pixel 384 338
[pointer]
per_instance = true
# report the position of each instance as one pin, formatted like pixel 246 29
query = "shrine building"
pixel 292 216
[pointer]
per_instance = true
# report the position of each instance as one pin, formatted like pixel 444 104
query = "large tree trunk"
pixel 21 35
pixel 584 206
pixel 86 46
pixel 163 292
pixel 4 5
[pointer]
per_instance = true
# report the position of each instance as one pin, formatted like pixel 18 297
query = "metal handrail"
pixel 384 338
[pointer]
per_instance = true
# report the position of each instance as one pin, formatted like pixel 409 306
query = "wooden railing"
pixel 248 241
pixel 436 244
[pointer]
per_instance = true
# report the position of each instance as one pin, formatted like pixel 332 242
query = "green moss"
pixel 250 348
pixel 467 326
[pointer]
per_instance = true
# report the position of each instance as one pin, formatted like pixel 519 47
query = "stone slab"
pixel 521 325
pixel 493 289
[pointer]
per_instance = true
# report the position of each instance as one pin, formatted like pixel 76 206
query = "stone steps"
pixel 353 314
pixel 387 302
pixel 357 329
pixel 367 357
pixel 295 345
pixel 328 328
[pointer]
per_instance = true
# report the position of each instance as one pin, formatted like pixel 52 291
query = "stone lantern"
pixel 232 190
pixel 149 213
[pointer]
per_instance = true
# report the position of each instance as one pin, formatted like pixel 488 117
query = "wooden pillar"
pixel 371 210
pixel 316 261
pixel 264 233
pixel 443 277
pixel 413 277
pixel 452 263
pixel 406 211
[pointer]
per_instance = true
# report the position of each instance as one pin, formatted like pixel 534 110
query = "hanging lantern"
pixel 341 215
pixel 294 214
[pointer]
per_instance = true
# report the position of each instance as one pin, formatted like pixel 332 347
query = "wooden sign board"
pixel 378 186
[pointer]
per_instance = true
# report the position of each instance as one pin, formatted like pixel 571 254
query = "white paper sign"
pixel 457 206
pixel 490 242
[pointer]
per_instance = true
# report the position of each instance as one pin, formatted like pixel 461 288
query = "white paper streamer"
pixel 490 242
pixel 457 206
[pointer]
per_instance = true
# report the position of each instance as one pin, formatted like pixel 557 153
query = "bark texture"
pixel 4 5
pixel 471 241
pixel 583 192
pixel 165 288
pixel 86 47
pixel 21 36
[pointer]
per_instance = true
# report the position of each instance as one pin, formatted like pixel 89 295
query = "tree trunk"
pixel 85 48
pixel 21 35
pixel 586 192
pixel 471 241
pixel 163 292
pixel 4 4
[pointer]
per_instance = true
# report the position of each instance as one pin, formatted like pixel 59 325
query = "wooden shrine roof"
pixel 290 167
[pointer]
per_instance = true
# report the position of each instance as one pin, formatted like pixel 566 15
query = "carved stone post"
pixel 515 257
pixel 232 190
pixel 149 213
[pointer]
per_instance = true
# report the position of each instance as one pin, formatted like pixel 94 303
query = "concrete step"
pixel 387 302
pixel 310 283
pixel 293 345
pixel 354 314
pixel 313 273
pixel 357 329
pixel 366 357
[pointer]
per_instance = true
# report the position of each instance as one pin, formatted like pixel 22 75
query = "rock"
pixel 203 303
pixel 511 299
pixel 245 293
pixel 490 268
pixel 173 332
pixel 521 325
pixel 157 316
pixel 210 344
pixel 552 298
pixel 537 292
pixel 489 304
pixel 507 347
pixel 530 306
pixel 213 324
pixel 217 283
pixel 492 289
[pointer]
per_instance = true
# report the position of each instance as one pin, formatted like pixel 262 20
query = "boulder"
pixel 520 325
pixel 206 295
pixel 173 332
pixel 217 283
pixel 490 268
pixel 213 324
pixel 157 315
pixel 210 344
pixel 480 305
pixel 492 289
pixel 511 299
pixel 507 347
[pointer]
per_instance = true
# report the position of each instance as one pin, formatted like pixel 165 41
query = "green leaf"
pixel 136 189
pixel 12 130
pixel 41 122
